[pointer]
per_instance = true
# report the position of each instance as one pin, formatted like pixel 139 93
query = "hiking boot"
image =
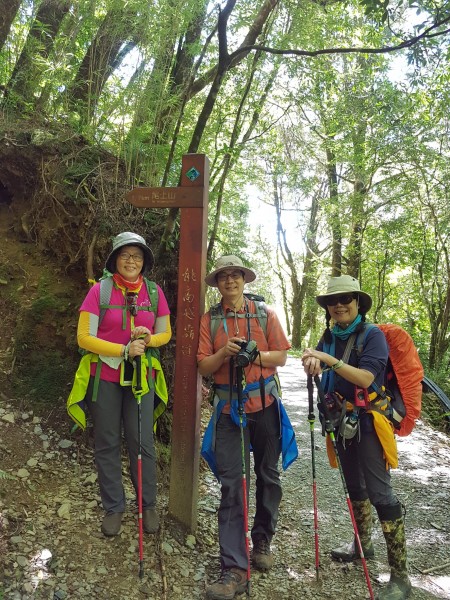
pixel 396 589
pixel 262 557
pixel 393 527
pixel 150 520
pixel 111 524
pixel 349 552
pixel 362 511
pixel 231 582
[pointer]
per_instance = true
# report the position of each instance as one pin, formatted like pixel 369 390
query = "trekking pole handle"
pixel 239 390
pixel 323 404
pixel 310 387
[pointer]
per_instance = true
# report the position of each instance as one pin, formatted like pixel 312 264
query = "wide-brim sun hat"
pixel 229 262
pixel 345 284
pixel 128 238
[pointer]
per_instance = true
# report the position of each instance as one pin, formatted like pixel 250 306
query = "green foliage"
pixel 297 122
pixel 43 379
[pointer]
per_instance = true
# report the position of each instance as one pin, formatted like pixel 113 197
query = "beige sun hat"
pixel 228 262
pixel 128 238
pixel 345 284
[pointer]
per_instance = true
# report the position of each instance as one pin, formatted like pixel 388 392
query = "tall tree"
pixel 9 10
pixel 23 86
pixel 112 42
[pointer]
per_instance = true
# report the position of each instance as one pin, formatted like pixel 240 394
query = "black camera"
pixel 247 354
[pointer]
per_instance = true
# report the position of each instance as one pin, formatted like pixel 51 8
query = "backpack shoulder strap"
pixel 106 286
pixel 216 315
pixel 362 338
pixel 152 291
pixel 261 314
pixel 359 348
pixel 261 309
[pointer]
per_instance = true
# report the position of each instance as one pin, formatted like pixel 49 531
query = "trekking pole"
pixel 330 431
pixel 311 419
pixel 138 391
pixel 244 472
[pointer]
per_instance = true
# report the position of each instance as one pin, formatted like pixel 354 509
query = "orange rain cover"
pixel 408 371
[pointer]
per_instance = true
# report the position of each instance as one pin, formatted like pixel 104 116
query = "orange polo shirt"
pixel 276 340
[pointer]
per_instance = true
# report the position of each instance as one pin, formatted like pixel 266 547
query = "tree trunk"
pixel 7 14
pixel 231 157
pixel 358 200
pixel 109 47
pixel 309 277
pixel 253 33
pixel 297 292
pixel 25 78
pixel 335 223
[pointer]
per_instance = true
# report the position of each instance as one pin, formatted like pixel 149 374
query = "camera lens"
pixel 246 354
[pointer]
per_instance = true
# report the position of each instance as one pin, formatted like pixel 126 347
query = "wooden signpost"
pixel 192 198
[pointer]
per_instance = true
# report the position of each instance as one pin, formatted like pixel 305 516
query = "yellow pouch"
pixel 385 433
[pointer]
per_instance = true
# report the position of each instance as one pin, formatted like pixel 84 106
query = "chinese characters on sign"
pixel 189 350
pixel 188 313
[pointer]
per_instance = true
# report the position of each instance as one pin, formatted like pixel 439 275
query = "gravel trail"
pixel 51 547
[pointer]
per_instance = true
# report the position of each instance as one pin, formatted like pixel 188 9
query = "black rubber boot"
pixel 393 526
pixel 362 510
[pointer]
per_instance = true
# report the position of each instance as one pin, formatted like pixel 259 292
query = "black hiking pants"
pixel 364 467
pixel 263 433
pixel 116 407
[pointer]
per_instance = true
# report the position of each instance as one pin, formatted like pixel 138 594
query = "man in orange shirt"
pixel 239 322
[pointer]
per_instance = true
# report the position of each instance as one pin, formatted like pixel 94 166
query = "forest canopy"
pixel 330 117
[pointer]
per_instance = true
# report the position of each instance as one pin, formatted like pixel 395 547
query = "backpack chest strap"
pixel 124 308
pixel 252 390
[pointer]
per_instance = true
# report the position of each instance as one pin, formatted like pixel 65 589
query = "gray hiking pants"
pixel 116 405
pixel 365 467
pixel 263 433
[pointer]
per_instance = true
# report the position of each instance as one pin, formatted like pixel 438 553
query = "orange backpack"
pixel 404 375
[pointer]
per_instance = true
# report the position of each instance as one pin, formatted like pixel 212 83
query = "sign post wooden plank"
pixel 192 198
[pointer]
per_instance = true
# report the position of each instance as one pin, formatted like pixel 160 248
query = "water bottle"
pixel 349 425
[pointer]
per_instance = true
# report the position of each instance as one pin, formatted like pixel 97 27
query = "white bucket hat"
pixel 345 284
pixel 228 262
pixel 127 238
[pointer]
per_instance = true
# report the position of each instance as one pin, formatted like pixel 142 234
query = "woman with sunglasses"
pixel 129 326
pixel 347 371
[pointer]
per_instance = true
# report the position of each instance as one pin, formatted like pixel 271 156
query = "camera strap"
pixel 262 388
pixel 237 315
pixel 261 382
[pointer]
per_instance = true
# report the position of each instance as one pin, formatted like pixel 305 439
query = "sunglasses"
pixel 343 299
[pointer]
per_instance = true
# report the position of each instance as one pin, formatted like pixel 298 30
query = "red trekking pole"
pixel 311 419
pixel 330 431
